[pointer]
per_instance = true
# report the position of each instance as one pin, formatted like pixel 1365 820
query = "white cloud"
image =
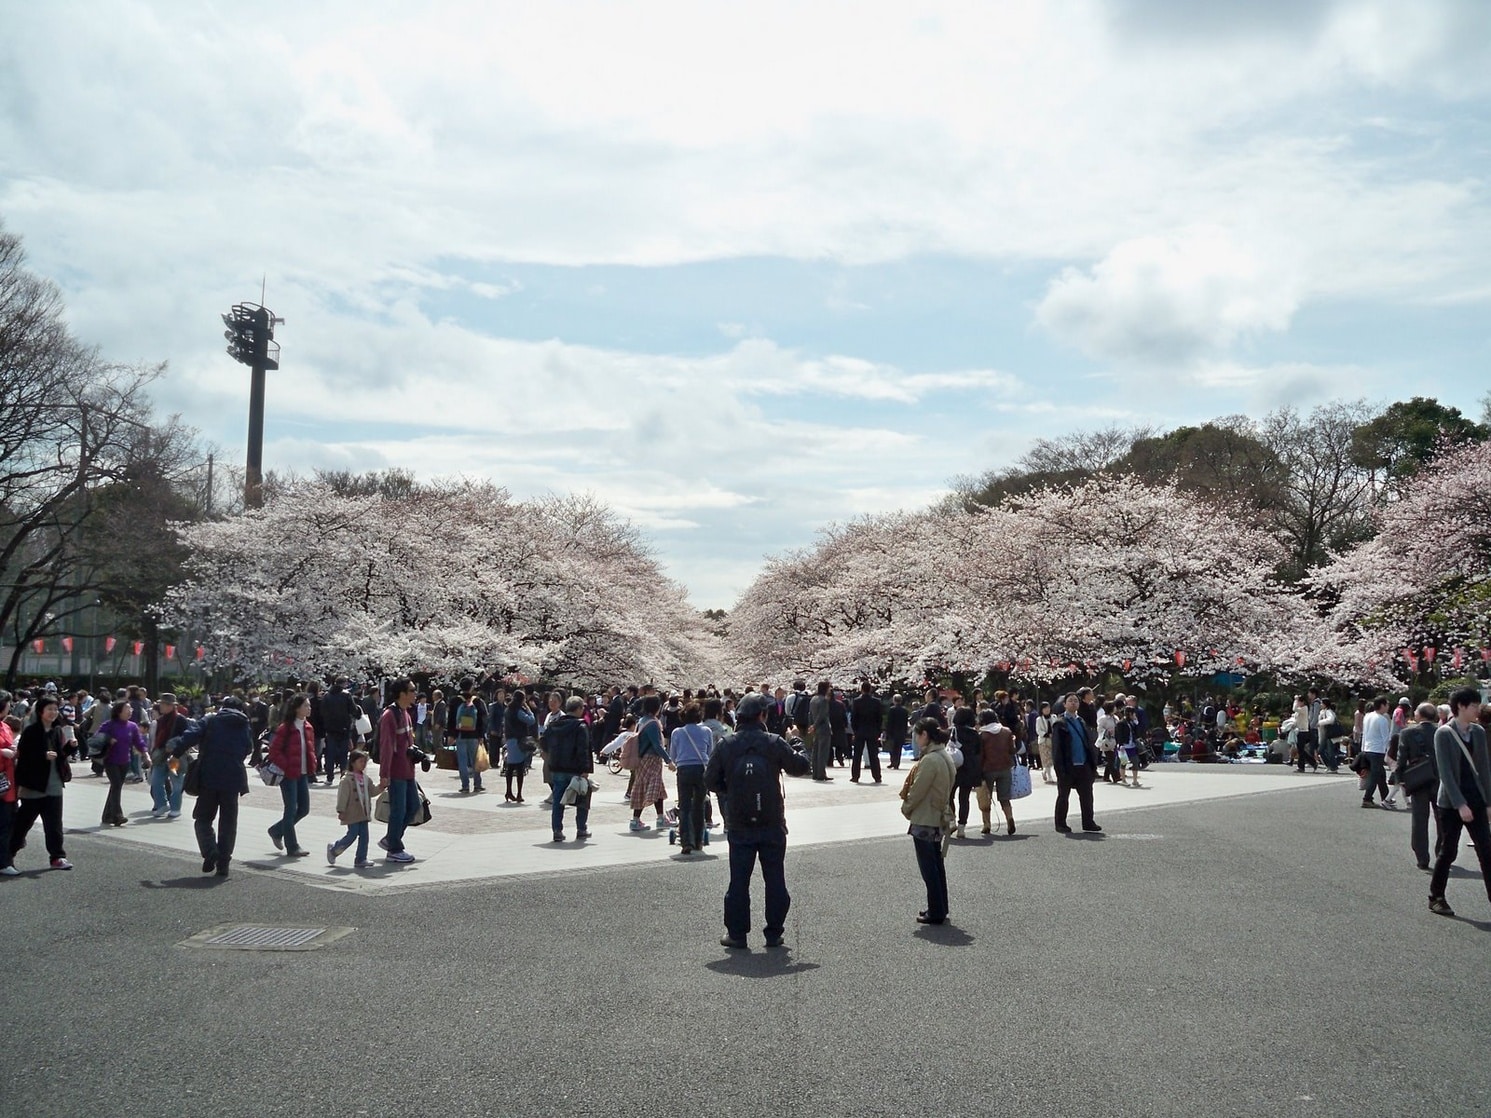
pixel 1169 300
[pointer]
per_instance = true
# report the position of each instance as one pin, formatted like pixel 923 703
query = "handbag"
pixel 483 762
pixel 420 817
pixel 1418 775
pixel 98 745
pixel 271 774
pixel 192 784
pixel 1020 782
pixel 364 725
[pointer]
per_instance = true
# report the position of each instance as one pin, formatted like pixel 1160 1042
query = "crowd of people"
pixel 718 745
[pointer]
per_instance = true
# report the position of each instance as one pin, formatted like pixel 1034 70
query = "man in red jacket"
pixel 396 769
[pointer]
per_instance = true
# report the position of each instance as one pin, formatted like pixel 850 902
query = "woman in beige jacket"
pixel 925 802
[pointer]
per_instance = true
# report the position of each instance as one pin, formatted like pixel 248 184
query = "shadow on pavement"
pixel 205 881
pixel 759 964
pixel 946 934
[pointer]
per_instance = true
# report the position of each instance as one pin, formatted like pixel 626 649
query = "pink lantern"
pixel 1180 659
pixel 139 647
pixel 38 646
pixel 67 644
pixel 170 652
pixel 109 643
pixel 201 653
pixel 1429 653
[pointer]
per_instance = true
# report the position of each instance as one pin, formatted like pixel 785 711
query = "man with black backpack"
pixel 745 772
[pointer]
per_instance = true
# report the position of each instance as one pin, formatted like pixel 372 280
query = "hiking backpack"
pixel 466 718
pixel 752 790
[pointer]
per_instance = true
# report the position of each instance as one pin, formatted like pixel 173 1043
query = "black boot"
pixel 222 865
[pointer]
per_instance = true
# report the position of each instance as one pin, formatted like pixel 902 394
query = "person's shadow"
pixel 769 963
pixel 948 935
pixel 205 881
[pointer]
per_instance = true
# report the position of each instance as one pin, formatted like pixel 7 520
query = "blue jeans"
pixel 297 796
pixel 160 777
pixel 559 782
pixel 358 831
pixel 403 803
pixel 466 761
pixel 746 845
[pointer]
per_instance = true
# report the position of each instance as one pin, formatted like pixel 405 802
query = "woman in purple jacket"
pixel 124 741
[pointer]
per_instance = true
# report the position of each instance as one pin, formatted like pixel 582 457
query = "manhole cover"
pixel 264 937
pixel 1136 838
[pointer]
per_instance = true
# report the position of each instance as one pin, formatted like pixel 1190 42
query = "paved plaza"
pixel 1239 941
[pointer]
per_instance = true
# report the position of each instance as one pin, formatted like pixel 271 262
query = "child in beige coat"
pixel 354 809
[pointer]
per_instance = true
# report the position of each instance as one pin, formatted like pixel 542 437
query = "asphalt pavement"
pixel 1268 954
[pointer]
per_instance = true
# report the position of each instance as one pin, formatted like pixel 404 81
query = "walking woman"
pixel 41 771
pixel 971 771
pixel 519 732
pixel 7 784
pixel 1464 766
pixel 294 751
pixel 125 740
pixel 647 787
pixel 925 798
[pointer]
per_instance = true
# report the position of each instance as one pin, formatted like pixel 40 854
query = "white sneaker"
pixel 10 871
pixel 962 831
pixel 331 853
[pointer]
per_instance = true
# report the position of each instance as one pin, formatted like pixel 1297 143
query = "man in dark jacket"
pixel 897 730
pixel 745 772
pixel 869 714
pixel 566 742
pixel 339 713
pixel 1074 755
pixel 223 741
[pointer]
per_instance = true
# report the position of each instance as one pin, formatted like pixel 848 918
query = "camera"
pixel 419 757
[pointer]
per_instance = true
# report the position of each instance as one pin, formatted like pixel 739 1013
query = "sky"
pixel 744 270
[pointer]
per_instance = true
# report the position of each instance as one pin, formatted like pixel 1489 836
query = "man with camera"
pixel 397 756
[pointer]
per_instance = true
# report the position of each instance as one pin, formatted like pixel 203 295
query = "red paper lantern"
pixel 109 643
pixel 1457 657
pixel 1429 653
pixel 170 652
pixel 201 652
pixel 38 646
pixel 1180 659
pixel 1239 661
pixel 139 647
pixel 1127 664
pixel 67 644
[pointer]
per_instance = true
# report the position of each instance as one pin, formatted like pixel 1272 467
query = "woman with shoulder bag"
pixel 41 771
pixel 294 751
pixel 519 731
pixel 925 798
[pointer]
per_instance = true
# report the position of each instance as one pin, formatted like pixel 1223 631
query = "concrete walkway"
pixel 479 837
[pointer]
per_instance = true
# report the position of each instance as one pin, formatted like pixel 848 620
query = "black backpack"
pixel 752 791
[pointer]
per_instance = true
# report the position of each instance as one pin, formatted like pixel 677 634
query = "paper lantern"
pixel 1180 659
pixel 67 644
pixel 109 643
pixel 201 653
pixel 170 652
pixel 1127 664
pixel 1429 653
pixel 1457 657
pixel 139 647
pixel 38 646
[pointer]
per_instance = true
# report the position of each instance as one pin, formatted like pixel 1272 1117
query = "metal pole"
pixel 253 480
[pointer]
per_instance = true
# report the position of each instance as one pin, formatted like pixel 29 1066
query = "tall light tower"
pixel 250 334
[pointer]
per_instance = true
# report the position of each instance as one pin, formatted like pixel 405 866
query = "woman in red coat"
pixel 293 750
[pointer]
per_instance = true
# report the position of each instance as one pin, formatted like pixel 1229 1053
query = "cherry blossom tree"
pixel 1424 579
pixel 1109 571
pixel 447 580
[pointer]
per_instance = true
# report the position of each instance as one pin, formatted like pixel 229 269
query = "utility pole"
pixel 251 342
pixel 209 485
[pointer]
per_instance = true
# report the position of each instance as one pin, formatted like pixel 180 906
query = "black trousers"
pixel 1080 778
pixel 1450 826
pixel 746 845
pixel 1376 775
pixel 213 804
pixel 113 808
pixel 49 808
pixel 934 874
pixel 872 746
pixel 1421 804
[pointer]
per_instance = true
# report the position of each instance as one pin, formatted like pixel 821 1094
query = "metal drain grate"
pixel 265 937
pixel 252 935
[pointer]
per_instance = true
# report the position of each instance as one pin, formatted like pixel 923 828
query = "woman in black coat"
pixel 41 772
